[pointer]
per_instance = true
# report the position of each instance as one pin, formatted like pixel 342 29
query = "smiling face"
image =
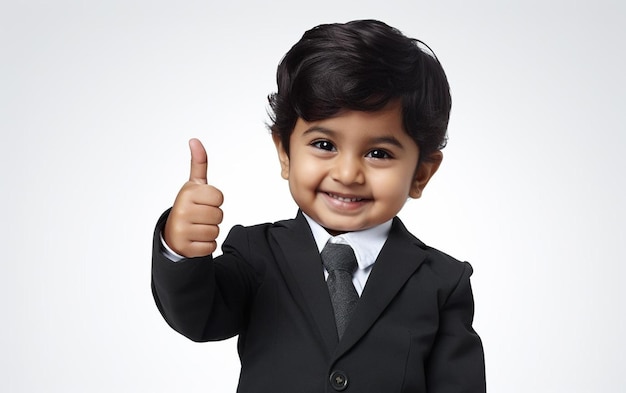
pixel 355 170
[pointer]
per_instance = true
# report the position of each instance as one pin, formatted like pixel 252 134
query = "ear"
pixel 425 171
pixel 283 157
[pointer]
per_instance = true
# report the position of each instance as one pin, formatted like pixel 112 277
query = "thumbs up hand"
pixel 192 226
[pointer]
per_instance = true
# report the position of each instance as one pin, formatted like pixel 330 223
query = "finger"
pixel 201 249
pixel 201 214
pixel 198 171
pixel 203 233
pixel 207 195
pixel 212 216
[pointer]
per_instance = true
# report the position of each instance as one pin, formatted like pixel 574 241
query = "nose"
pixel 348 170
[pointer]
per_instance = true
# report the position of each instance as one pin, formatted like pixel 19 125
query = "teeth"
pixel 342 199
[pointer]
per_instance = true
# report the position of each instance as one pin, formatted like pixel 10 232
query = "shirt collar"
pixel 366 243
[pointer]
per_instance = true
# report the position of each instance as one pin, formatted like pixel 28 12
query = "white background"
pixel 98 100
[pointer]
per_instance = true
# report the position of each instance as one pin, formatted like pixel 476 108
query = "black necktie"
pixel 340 262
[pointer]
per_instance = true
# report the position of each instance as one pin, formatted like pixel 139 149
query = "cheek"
pixel 306 166
pixel 305 173
pixel 391 186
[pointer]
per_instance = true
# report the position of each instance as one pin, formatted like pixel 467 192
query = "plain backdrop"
pixel 99 98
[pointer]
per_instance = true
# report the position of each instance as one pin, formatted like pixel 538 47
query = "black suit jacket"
pixel 411 332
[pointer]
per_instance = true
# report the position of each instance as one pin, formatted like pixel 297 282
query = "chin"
pixel 339 229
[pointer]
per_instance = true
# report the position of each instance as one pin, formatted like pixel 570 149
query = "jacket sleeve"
pixel 456 363
pixel 203 298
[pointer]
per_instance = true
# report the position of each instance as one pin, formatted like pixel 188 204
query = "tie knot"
pixel 338 257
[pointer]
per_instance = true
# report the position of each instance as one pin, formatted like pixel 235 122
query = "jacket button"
pixel 339 380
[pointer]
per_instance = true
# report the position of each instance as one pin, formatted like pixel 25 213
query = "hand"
pixel 192 226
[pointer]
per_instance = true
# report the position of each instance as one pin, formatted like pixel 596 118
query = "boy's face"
pixel 355 170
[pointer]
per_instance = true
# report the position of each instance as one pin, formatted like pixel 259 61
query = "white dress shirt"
pixel 366 245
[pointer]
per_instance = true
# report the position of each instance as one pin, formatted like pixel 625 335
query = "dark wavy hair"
pixel 362 65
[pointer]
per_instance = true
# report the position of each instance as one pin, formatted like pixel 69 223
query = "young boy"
pixel 359 119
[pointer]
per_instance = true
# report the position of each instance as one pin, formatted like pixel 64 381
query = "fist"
pixel 192 226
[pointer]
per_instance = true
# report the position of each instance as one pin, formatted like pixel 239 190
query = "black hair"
pixel 362 65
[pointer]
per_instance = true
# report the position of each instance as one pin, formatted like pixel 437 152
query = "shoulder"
pixel 297 225
pixel 448 271
pixel 261 235
pixel 263 229
pixel 442 265
pixel 259 245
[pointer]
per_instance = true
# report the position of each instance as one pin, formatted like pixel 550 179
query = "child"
pixel 358 120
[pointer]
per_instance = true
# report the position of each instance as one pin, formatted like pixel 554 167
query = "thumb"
pixel 197 174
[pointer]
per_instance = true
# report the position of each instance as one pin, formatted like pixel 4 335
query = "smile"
pixel 344 199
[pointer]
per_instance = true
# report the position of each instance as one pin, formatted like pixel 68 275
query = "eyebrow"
pixel 386 139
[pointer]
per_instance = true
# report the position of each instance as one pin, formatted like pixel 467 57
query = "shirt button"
pixel 338 380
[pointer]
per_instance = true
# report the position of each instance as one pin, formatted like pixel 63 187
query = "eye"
pixel 323 145
pixel 379 154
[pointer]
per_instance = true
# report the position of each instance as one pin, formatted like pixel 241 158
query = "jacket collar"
pixel 399 258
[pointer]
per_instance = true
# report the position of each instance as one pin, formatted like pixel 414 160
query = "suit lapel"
pixel 399 258
pixel 304 275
